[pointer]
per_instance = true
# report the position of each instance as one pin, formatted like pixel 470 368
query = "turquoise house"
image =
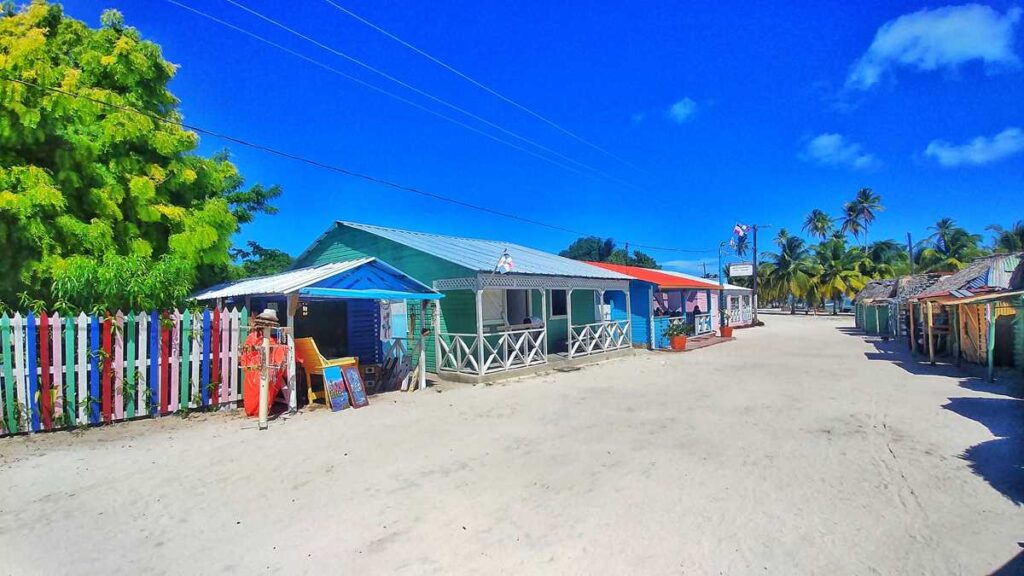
pixel 506 306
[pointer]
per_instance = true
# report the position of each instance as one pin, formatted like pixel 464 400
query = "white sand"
pixel 784 452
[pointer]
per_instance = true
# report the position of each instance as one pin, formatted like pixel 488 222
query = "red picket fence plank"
pixel 45 399
pixel 107 392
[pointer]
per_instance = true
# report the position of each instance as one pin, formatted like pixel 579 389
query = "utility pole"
pixel 910 253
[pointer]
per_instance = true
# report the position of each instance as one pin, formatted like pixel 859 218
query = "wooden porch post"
pixel 911 335
pixel 479 331
pixel 437 338
pixel 568 319
pixel 629 318
pixel 878 324
pixel 954 331
pixel 990 311
pixel 293 397
pixel 544 317
pixel 650 317
pixel 931 344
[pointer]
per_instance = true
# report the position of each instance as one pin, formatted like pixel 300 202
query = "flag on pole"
pixel 740 229
pixel 505 264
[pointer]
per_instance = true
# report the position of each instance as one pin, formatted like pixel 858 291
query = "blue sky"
pixel 719 113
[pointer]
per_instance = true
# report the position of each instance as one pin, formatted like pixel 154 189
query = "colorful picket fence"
pixel 64 372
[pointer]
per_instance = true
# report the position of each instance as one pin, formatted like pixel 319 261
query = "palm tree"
pixel 781 237
pixel 818 224
pixel 742 246
pixel 838 271
pixel 851 220
pixel 1011 240
pixel 791 270
pixel 885 259
pixel 867 203
pixel 948 248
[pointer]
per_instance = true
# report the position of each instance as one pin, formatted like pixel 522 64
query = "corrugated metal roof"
pixel 292 281
pixel 482 255
pixel 987 272
pixel 709 283
pixel 659 277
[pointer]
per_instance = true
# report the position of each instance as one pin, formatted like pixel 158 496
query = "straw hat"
pixel 268 316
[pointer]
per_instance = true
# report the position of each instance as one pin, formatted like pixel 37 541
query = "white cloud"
pixel 836 150
pixel 978 151
pixel 936 39
pixel 638 117
pixel 682 110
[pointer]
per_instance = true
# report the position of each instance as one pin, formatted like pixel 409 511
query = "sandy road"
pixel 797 449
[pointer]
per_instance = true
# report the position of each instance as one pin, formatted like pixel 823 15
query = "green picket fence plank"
pixel 9 405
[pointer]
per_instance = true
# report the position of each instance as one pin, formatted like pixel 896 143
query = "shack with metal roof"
pixel 661 298
pixel 507 307
pixel 973 315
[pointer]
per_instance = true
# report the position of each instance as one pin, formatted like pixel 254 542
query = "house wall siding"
pixel 457 308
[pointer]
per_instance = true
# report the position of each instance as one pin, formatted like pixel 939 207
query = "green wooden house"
pixel 506 306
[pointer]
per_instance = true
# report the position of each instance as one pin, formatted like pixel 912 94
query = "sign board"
pixel 354 383
pixel 741 270
pixel 334 386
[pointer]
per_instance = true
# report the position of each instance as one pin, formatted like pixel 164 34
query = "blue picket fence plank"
pixel 33 379
pixel 94 369
pixel 154 363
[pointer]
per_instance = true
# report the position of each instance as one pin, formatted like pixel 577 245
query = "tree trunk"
pixel 792 304
pixel 835 307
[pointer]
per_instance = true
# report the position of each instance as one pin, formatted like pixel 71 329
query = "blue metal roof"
pixel 483 255
pixel 366 278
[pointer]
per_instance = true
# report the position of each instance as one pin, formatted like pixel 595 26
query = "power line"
pixel 430 96
pixel 482 86
pixel 377 88
pixel 324 165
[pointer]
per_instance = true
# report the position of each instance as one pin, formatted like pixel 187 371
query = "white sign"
pixel 740 270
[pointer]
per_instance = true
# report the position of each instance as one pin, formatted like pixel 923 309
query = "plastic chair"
pixel 313 362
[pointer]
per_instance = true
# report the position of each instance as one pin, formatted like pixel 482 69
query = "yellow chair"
pixel 313 362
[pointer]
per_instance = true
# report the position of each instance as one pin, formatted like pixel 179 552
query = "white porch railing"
pixel 586 339
pixel 502 351
pixel 702 324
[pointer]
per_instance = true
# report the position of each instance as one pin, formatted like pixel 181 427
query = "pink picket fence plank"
pixel 119 367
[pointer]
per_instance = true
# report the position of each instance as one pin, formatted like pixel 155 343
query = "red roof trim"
pixel 656 277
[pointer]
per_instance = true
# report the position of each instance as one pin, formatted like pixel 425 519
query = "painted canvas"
pixel 334 386
pixel 356 389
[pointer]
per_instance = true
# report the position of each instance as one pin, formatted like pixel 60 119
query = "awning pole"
pixel 990 313
pixel 931 344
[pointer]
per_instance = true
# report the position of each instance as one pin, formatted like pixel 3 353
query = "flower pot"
pixel 678 343
pixel 726 331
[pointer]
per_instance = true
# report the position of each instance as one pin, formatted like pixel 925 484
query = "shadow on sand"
pixel 1015 567
pixel 1000 462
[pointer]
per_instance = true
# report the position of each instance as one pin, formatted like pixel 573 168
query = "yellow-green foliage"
pixel 82 183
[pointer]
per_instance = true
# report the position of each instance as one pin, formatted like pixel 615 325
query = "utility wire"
pixel 430 96
pixel 482 86
pixel 378 89
pixel 324 165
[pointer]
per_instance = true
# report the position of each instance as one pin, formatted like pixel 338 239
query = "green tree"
pixel 781 237
pixel 87 182
pixel 859 214
pixel 949 247
pixel 1008 240
pixel 260 261
pixel 837 272
pixel 885 259
pixel 590 248
pixel 818 224
pixel 790 271
pixel 596 249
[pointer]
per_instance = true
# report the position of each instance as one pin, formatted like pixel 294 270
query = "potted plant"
pixel 676 334
pixel 726 330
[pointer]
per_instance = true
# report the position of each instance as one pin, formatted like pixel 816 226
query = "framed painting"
pixel 356 389
pixel 335 388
